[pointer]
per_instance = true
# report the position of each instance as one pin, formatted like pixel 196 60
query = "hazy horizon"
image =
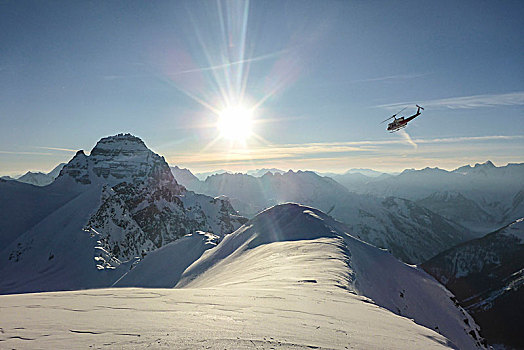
pixel 198 170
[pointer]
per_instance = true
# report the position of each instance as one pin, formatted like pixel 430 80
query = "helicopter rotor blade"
pixel 399 111
pixel 393 116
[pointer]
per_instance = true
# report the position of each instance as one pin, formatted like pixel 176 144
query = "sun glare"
pixel 235 123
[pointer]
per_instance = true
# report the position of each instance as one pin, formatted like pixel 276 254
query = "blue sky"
pixel 323 74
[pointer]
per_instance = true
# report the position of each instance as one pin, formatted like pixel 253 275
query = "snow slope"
pixel 55 254
pixel 186 178
pixel 305 317
pixel 290 278
pixel 455 206
pixel 24 205
pixel 163 267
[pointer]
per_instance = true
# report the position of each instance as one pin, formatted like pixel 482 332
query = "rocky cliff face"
pixel 142 207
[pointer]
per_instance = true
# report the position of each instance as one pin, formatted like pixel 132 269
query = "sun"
pixel 235 123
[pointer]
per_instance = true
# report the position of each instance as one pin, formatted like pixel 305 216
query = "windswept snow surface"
pixel 290 278
pixel 308 316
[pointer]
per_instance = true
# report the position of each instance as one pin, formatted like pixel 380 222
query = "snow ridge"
pixel 291 244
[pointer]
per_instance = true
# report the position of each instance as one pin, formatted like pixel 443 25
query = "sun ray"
pixel 217 80
pixel 240 72
pixel 210 144
pixel 192 96
pixel 261 139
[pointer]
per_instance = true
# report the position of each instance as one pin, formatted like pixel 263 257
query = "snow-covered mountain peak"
pixel 487 164
pixel 365 172
pixel 263 171
pixel 121 201
pixel 77 168
pixel 125 144
pixel 292 221
pixel 116 159
pixel 477 168
pixel 427 170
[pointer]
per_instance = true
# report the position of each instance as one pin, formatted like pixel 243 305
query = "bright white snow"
pixel 290 278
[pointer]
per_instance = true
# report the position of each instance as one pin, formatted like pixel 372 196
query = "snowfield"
pixel 304 316
pixel 290 278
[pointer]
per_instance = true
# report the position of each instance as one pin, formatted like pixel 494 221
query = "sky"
pixel 318 76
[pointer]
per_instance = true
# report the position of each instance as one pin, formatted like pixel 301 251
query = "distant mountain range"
pixel 410 231
pixel 482 198
pixel 263 171
pixel 37 178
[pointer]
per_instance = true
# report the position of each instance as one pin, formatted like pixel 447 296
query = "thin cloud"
pixel 57 149
pixel 226 65
pixel 26 153
pixel 392 77
pixel 399 141
pixel 472 138
pixel 308 151
pixel 468 102
pixel 203 69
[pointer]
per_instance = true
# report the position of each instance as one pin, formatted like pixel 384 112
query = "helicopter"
pixel 401 122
